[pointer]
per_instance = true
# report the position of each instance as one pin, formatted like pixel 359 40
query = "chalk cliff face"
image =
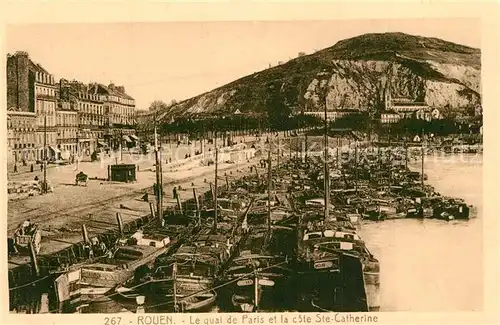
pixel 353 74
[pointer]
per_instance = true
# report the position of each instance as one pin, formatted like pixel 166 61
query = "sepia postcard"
pixel 293 163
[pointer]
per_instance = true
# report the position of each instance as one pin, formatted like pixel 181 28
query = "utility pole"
pixel 44 186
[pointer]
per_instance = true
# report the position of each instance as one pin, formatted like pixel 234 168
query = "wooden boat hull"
pixel 94 283
pixel 192 294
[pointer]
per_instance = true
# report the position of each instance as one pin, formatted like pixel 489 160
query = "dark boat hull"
pixel 273 294
pixel 339 288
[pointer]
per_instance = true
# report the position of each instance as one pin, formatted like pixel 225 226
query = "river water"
pixel 426 265
pixel 433 265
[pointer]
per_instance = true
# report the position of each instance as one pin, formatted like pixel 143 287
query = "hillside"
pixel 354 74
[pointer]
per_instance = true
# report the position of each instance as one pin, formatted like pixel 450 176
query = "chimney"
pixel 22 53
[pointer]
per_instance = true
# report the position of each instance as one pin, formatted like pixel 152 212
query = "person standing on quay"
pixel 15 168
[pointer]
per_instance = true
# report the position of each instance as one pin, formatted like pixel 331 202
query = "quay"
pixel 62 214
pixel 353 196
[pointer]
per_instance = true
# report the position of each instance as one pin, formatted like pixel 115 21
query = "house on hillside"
pixel 387 117
pixel 405 107
pixel 334 115
pixel 428 114
pixel 436 114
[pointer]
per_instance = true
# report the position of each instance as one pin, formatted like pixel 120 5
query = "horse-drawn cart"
pixel 81 178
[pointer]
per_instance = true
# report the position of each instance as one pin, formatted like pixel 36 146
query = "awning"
pixel 102 143
pixel 133 136
pixel 126 138
pixel 55 149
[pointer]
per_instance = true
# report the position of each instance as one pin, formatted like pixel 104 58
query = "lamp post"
pixel 44 186
pixel 77 148
pixel 121 141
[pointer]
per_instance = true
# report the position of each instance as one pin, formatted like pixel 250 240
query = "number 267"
pixel 112 320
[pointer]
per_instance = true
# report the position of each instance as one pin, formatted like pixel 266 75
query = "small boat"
pixel 451 209
pixel 182 281
pixel 97 279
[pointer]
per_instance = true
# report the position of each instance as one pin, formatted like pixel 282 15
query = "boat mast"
pixel 356 164
pixel 278 156
pixel 422 153
pixel 338 153
pixel 327 180
pixel 406 156
pixel 159 194
pixel 256 289
pixel 269 186
pixel 390 164
pixel 215 187
pixel 174 284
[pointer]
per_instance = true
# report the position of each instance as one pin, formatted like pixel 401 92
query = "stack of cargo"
pixel 23 189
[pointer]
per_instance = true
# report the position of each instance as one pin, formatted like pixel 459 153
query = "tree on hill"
pixel 278 107
pixel 157 105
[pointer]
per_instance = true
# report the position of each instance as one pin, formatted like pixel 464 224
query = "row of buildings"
pixel 67 118
pixel 395 109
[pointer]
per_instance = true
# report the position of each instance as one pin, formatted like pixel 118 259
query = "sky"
pixel 179 60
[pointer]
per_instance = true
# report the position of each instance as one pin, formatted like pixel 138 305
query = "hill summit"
pixel 354 73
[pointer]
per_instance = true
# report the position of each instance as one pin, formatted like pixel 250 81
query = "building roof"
pixel 33 66
pixel 416 104
pixel 389 112
pixel 39 68
pixel 347 110
pixel 113 90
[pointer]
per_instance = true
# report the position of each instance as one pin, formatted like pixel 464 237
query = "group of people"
pixel 97 248
pixel 26 228
pixel 25 164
